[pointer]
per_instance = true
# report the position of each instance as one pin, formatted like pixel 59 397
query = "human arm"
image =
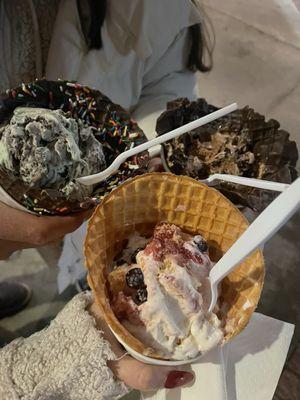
pixel 72 359
pixel 19 230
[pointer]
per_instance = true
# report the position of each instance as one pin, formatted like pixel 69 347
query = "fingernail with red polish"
pixel 178 378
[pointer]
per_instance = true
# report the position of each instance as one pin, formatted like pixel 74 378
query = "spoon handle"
pixel 253 182
pixel 264 226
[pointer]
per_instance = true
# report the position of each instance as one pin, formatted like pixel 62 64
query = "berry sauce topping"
pixel 125 308
pixel 167 240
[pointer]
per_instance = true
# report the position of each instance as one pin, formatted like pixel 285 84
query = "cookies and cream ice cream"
pixel 48 149
pixel 160 293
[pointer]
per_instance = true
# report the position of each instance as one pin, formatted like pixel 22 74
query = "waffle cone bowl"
pixel 109 124
pixel 137 206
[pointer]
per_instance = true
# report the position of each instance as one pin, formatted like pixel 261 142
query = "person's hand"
pixel 20 230
pixel 134 373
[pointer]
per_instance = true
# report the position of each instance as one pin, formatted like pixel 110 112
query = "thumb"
pixel 134 373
pixel 147 377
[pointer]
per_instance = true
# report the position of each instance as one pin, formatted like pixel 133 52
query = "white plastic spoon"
pixel 101 176
pixel 242 180
pixel 264 226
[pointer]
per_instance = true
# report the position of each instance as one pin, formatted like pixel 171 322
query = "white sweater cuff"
pixel 66 361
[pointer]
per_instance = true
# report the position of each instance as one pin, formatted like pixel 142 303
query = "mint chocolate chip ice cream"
pixel 48 149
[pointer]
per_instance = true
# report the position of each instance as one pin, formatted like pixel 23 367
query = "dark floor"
pixel 289 383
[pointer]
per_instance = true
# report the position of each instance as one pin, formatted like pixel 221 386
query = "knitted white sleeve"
pixel 65 361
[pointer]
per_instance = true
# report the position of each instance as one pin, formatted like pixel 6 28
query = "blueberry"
pixel 135 278
pixel 140 296
pixel 201 244
pixel 134 254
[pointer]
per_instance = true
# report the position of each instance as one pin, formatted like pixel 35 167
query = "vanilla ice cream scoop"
pixel 166 302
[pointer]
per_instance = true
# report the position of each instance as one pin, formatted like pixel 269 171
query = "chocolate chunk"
pixel 134 254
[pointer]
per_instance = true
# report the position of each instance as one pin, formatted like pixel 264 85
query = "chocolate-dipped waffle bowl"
pixel 241 143
pixel 109 124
